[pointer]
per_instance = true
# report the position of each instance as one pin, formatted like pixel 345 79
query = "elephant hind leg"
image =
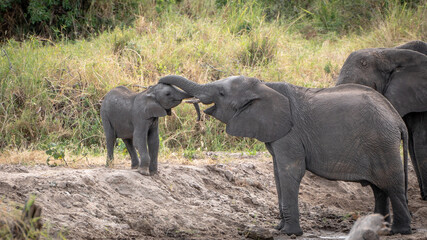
pixel 132 153
pixel 382 205
pixel 417 129
pixel 401 216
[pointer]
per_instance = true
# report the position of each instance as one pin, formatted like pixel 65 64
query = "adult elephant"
pixel 349 133
pixel 400 74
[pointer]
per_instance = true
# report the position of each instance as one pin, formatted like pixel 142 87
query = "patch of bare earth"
pixel 198 201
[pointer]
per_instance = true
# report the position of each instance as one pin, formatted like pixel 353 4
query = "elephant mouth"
pixel 211 110
pixel 208 111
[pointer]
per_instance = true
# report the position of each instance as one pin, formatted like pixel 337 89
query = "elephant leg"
pixel 289 189
pixel 289 168
pixel 110 137
pixel 153 149
pixel 140 142
pixel 132 153
pixel 401 216
pixel 276 179
pixel 382 205
pixel 417 129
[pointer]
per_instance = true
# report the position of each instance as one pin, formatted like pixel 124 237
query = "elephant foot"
pixel 293 232
pixel 152 173
pixel 144 171
pixel 109 163
pixel 134 167
pixel 401 230
pixel 280 225
pixel 424 196
pixel 289 230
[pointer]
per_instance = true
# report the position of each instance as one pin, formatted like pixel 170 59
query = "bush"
pixel 56 19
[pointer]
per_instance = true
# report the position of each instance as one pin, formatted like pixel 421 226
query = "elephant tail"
pixel 404 135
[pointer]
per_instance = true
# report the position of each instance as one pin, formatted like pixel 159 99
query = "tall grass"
pixel 50 89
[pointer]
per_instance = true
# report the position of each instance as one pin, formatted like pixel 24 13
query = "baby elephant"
pixel 133 117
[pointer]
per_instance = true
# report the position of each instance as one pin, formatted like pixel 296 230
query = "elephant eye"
pixel 168 94
pixel 221 93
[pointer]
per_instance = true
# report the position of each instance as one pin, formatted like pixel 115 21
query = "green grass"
pixel 52 91
pixel 13 224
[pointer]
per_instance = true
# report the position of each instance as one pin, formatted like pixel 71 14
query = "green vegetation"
pixel 23 222
pixel 58 62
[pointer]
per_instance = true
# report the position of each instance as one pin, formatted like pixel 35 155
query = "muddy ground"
pixel 193 201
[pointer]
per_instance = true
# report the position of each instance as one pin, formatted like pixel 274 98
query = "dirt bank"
pixel 199 201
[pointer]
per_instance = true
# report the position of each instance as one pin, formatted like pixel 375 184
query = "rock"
pixel 255 232
pixel 368 228
pixel 229 176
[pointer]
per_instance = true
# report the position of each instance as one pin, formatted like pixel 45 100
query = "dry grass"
pixel 52 92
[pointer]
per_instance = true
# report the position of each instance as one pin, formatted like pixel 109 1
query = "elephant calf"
pixel 133 117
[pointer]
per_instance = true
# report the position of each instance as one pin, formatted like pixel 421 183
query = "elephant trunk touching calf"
pixel 133 117
pixel 348 132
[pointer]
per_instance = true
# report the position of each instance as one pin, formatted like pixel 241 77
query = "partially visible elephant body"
pixel 400 74
pixel 133 117
pixel 348 132
pixel 418 46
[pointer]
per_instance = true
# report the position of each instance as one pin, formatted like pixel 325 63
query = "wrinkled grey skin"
pixel 349 133
pixel 400 74
pixel 133 117
pixel 369 227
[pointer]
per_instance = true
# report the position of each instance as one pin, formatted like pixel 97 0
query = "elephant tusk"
pixel 192 100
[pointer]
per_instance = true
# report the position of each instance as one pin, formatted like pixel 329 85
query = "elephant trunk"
pixel 190 87
pixel 183 95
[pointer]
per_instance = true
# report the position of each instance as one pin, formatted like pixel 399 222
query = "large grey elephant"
pixel 349 133
pixel 133 117
pixel 400 74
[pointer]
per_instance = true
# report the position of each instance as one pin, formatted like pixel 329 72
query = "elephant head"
pixel 246 105
pixel 399 74
pixel 167 96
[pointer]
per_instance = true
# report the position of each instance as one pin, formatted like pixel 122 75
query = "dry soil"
pixel 232 200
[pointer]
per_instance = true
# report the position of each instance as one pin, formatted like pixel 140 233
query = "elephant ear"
pixel 407 85
pixel 265 115
pixel 151 108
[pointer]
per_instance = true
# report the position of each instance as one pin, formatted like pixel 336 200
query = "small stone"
pixel 254 232
pixel 229 176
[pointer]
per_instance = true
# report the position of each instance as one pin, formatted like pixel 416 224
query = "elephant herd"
pixel 350 132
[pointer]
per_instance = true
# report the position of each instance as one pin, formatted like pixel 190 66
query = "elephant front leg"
pixel 153 149
pixel 140 141
pixel 289 204
pixel 276 180
pixel 289 168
